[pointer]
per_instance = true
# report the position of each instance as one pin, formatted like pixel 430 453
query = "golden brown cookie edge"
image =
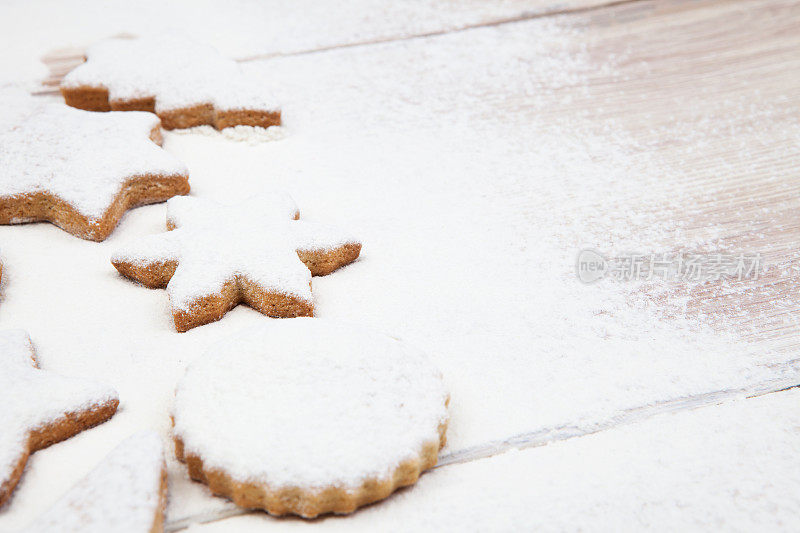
pixel 7 488
pixel 92 98
pixel 212 307
pixel 161 508
pixel 311 503
pixel 323 262
pixel 45 207
pixel 64 427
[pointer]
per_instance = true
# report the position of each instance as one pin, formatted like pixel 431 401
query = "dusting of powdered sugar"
pixel 122 494
pixel 178 72
pixel 309 403
pixel 32 398
pixel 730 467
pixel 476 165
pixel 214 243
pixel 251 135
pixel 84 158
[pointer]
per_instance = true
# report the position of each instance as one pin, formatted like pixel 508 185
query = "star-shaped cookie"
pixel 77 169
pixel 215 257
pixel 40 408
pixel 126 492
pixel 186 83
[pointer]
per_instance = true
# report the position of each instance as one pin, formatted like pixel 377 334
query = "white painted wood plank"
pixel 710 145
pixel 248 29
pixel 477 165
pixel 730 467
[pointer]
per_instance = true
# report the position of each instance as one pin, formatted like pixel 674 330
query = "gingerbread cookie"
pixel 80 170
pixel 126 492
pixel 216 257
pixel 185 83
pixel 307 416
pixel 40 408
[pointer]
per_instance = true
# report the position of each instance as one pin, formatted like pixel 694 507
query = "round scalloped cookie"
pixel 307 416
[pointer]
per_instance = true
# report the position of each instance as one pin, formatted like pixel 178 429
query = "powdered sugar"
pixel 213 243
pixel 729 467
pixel 179 73
pixel 252 135
pixel 309 403
pixel 122 494
pixel 476 165
pixel 33 398
pixel 81 157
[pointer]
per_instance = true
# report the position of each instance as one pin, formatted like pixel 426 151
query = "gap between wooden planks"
pixel 540 438
pixel 692 69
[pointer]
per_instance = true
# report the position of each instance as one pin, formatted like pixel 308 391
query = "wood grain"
pixel 435 18
pixel 707 94
pixel 712 93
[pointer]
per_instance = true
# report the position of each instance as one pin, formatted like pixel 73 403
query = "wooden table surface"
pixel 705 97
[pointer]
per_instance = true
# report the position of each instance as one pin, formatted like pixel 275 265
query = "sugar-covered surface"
pixel 32 398
pixel 121 494
pixel 81 157
pixel 309 403
pixel 257 238
pixel 177 72
pixel 728 467
pixel 473 166
pixel 245 28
